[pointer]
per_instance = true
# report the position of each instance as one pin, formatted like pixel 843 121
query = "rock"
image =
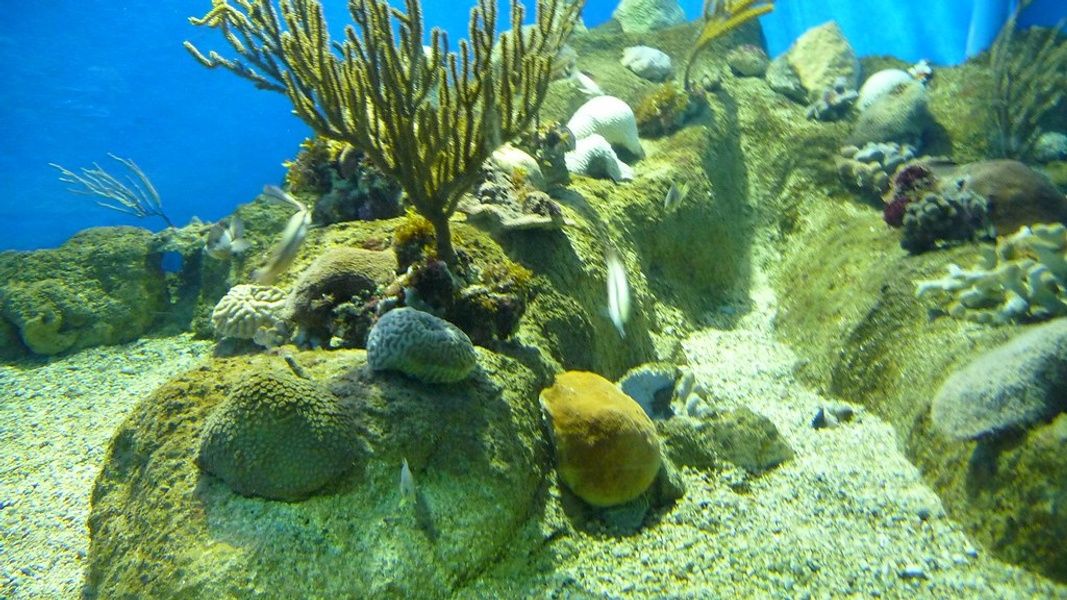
pixel 607 450
pixel 1012 386
pixel 821 55
pixel 900 116
pixel 278 437
pixel 640 16
pixel 610 118
pixel 783 78
pixel 652 386
pixel 833 103
pixel 749 441
pixel 421 345
pixel 748 60
pixel 518 164
pixel 476 450
pixel 105 285
pixel 647 63
pixel 1018 195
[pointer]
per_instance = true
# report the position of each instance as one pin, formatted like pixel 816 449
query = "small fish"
pixel 585 84
pixel 675 195
pixel 407 485
pixel 224 241
pixel 618 291
pixel 292 238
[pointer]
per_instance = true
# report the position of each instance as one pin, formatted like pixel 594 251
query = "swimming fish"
pixel 407 485
pixel 585 84
pixel 292 238
pixel 675 195
pixel 618 291
pixel 224 241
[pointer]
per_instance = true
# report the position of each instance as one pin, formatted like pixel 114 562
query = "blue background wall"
pixel 81 79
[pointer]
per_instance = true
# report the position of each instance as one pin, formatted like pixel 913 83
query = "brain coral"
pixel 607 450
pixel 245 309
pixel 337 276
pixel 611 118
pixel 420 345
pixel 278 437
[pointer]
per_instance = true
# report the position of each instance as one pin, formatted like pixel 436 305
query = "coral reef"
pixel 594 156
pixel 339 276
pixel 665 108
pixel 1024 278
pixel 1012 386
pixel 900 116
pixel 103 286
pixel 935 220
pixel 421 345
pixel 384 90
pixel 720 18
pixel 279 437
pixel 607 449
pixel 834 103
pixel 641 16
pixel 251 312
pixel 610 118
pixel 868 170
pixel 748 60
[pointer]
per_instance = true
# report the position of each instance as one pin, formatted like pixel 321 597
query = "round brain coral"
pixel 335 277
pixel 278 437
pixel 420 345
pixel 607 450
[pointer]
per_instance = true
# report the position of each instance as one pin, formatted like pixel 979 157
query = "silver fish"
pixel 675 195
pixel 223 241
pixel 407 485
pixel 292 238
pixel 618 291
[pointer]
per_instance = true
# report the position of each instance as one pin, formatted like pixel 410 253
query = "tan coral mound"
pixel 607 450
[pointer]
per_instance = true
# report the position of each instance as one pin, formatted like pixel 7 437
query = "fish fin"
pixel 239 246
pixel 237 227
pixel 277 194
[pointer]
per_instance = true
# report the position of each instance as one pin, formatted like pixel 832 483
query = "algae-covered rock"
pixel 900 116
pixel 103 286
pixel 749 440
pixel 821 55
pixel 639 16
pixel 1011 386
pixel 279 437
pixel 161 529
pixel 607 450
pixel 337 276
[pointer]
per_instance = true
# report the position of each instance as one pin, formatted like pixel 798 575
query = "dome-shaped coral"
pixel 278 437
pixel 607 449
pixel 339 275
pixel 246 309
pixel 420 345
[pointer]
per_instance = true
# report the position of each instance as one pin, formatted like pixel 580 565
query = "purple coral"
pixel 909 183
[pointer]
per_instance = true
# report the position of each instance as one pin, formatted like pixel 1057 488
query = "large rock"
pixel 640 16
pixel 103 286
pixel 162 529
pixel 820 56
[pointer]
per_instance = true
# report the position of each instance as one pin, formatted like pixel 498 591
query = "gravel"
pixel 56 418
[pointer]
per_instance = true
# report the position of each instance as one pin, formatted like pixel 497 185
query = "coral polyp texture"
pixel 1024 278
pixel 607 449
pixel 246 309
pixel 611 118
pixel 421 345
pixel 279 437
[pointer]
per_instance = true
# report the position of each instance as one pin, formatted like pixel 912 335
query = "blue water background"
pixel 81 79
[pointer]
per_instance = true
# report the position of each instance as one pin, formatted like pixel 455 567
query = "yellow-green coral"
pixel 664 109
pixel 310 170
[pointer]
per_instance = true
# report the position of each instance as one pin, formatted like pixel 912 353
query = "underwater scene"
pixel 542 299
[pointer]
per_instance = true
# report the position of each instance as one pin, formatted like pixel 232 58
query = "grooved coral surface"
pixel 278 437
pixel 607 450
pixel 421 345
pixel 245 309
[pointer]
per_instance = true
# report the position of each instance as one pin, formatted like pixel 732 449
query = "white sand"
pixel 56 419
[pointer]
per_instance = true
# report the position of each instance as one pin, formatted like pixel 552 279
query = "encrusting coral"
pixel 279 437
pixel 1024 278
pixel 423 115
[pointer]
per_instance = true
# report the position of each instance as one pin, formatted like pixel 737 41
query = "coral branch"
pixel 137 197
